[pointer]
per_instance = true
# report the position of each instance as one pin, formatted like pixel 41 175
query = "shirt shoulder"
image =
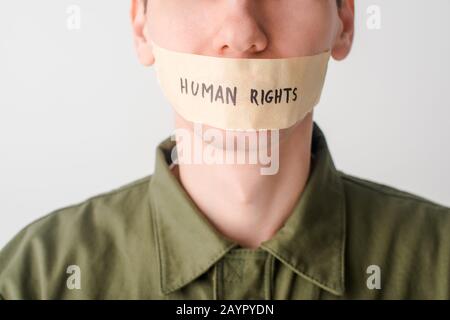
pixel 406 235
pixel 390 201
pixel 94 236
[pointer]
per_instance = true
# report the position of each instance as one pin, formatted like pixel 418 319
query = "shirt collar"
pixel 311 242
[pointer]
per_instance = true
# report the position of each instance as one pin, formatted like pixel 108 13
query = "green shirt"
pixel 347 238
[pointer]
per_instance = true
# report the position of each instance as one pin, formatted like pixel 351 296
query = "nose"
pixel 239 34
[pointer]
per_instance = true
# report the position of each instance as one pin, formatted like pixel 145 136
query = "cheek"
pixel 301 31
pixel 180 25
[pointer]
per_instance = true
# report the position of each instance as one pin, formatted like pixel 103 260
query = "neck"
pixel 241 203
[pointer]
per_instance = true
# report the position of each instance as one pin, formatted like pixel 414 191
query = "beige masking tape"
pixel 241 94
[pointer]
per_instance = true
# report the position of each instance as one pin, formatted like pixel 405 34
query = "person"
pixel 214 231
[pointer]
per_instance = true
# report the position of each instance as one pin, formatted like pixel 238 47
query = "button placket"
pixel 244 274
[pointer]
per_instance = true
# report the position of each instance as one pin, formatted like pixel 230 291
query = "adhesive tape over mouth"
pixel 241 94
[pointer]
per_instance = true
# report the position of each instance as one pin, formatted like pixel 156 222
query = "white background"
pixel 79 116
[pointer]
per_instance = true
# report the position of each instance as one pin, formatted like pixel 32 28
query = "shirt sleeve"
pixel 25 262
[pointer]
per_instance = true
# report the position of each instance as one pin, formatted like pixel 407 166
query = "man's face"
pixel 243 28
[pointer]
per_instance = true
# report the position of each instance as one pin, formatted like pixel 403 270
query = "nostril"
pixel 226 49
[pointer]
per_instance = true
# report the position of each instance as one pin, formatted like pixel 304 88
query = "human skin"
pixel 240 203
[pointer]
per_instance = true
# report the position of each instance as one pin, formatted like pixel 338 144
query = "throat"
pixel 241 203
